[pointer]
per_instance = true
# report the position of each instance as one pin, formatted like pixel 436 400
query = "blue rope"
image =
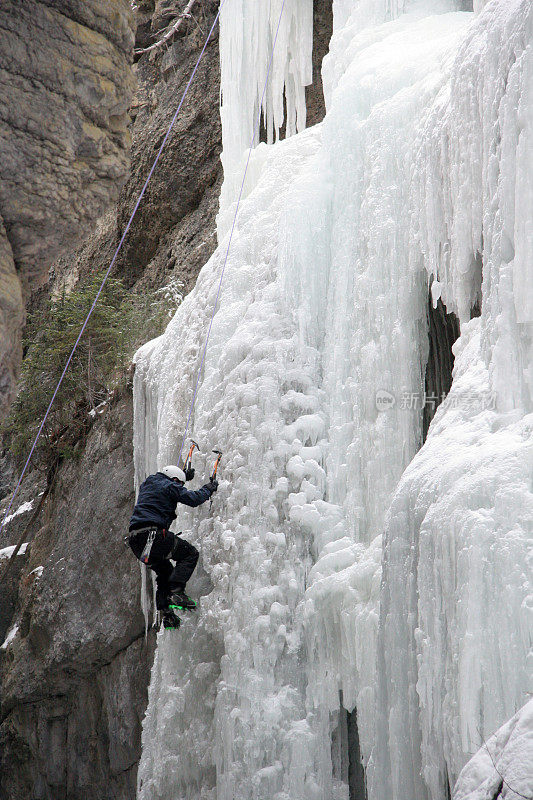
pixel 256 129
pixel 174 118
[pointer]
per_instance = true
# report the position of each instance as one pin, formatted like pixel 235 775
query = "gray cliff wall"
pixel 76 674
pixel 11 321
pixel 65 87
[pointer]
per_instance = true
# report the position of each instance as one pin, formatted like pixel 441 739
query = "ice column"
pixel 454 658
pixel 247 32
pixel 374 336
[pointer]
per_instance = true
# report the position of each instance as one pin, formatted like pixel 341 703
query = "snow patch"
pixel 9 638
pixel 38 571
pixel 22 509
pixel 99 409
pixel 7 552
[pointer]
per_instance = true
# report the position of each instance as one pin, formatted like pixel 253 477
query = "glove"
pixel 189 474
pixel 212 486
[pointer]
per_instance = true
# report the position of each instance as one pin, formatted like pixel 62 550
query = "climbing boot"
pixel 179 599
pixel 170 620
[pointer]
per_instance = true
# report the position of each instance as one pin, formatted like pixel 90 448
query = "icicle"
pixel 247 32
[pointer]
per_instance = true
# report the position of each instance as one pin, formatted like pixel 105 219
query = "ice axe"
pixel 217 462
pixel 188 460
pixel 214 475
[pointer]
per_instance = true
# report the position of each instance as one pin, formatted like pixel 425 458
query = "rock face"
pixel 322 30
pixel 173 231
pixel 65 87
pixel 11 321
pixel 76 672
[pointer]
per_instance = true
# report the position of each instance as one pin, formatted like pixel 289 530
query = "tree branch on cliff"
pixel 185 14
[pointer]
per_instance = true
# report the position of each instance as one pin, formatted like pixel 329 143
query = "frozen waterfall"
pixel 365 595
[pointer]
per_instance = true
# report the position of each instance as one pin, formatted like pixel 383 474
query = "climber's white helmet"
pixel 174 472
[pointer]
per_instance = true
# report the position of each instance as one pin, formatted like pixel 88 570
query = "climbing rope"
pixel 255 132
pixel 141 195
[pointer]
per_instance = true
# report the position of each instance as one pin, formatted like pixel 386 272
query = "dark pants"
pixel 166 546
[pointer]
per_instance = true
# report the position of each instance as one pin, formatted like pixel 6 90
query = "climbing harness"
pixel 151 533
pixel 137 204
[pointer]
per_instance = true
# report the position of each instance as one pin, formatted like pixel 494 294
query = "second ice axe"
pixel 217 462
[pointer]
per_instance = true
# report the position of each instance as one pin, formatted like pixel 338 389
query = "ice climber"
pixel 153 543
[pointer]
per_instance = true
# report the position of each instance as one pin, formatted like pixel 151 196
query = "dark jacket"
pixel 157 500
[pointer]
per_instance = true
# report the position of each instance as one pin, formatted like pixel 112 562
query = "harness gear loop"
pixel 145 555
